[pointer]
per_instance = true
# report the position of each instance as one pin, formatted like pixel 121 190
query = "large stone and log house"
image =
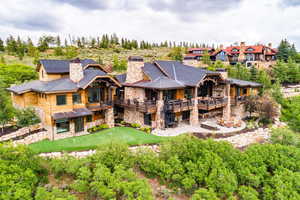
pixel 260 56
pixel 72 96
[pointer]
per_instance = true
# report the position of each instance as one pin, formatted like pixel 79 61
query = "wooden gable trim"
pixel 115 81
pixel 98 65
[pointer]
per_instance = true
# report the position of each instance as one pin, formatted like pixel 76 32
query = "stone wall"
pixel 135 93
pixel 238 111
pixel 33 138
pixel 109 117
pixel 20 132
pixel 133 116
pixel 134 71
pixel 291 91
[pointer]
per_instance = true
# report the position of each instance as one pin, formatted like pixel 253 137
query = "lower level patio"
pixel 210 124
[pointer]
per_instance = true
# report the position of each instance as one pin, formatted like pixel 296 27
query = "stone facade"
pixel 160 122
pixel 238 111
pixel 135 93
pixel 194 116
pixel 134 71
pixel 76 71
pixel 133 116
pixel 227 108
pixel 109 117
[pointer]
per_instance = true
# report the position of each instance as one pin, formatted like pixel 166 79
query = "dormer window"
pixel 235 50
pixel 250 49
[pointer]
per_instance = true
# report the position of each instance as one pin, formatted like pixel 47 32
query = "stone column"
pixel 227 108
pixel 194 116
pixel 109 117
pixel 160 122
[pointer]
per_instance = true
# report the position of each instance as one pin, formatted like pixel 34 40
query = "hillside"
pixel 106 55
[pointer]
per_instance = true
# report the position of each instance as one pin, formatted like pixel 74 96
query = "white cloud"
pixel 246 20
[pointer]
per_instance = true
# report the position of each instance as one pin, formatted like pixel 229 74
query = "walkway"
pixel 184 128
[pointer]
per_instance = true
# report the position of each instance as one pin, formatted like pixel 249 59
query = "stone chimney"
pixel 242 57
pixel 76 70
pixel 223 72
pixel 270 45
pixel 134 69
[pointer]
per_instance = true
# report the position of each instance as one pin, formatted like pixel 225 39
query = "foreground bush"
pixel 191 165
pixel 20 172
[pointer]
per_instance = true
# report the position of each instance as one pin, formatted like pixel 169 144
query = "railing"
pixel 147 106
pixel 238 99
pixel 102 105
pixel 178 105
pixel 211 103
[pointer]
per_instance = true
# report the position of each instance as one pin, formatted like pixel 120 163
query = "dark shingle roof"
pixel 61 66
pixel 188 75
pixel 62 84
pixel 243 83
pixel 121 78
pixel 152 71
pixel 160 83
pixel 80 112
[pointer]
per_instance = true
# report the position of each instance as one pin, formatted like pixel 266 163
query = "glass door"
pixel 79 124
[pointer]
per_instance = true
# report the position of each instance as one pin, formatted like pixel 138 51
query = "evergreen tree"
pixel 7 112
pixel 66 43
pixel 206 58
pixel 286 50
pixel 93 43
pixel 176 54
pixel 11 45
pixel 2 48
pixel 58 43
pixel 253 72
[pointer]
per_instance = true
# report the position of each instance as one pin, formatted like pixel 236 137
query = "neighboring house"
pixel 72 96
pixel 164 94
pixel 194 56
pixel 260 56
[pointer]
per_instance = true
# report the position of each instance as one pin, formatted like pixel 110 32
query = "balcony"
pixel 103 105
pixel 211 103
pixel 238 99
pixel 147 106
pixel 178 105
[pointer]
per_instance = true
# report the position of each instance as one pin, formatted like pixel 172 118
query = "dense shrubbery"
pixel 108 174
pixel 190 164
pixel 20 172
pixel 291 112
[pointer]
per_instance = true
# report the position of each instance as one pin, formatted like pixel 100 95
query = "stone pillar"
pixel 194 116
pixel 227 108
pixel 109 117
pixel 160 122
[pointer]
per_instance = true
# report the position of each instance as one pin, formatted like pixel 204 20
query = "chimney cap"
pixel 135 58
pixel 76 60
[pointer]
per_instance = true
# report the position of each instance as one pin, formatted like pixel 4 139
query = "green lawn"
pixel 120 134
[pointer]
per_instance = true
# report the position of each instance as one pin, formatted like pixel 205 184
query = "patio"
pixel 186 128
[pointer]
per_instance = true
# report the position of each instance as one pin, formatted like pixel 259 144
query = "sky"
pixel 203 21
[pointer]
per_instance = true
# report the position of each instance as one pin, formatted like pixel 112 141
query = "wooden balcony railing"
pixel 211 103
pixel 100 106
pixel 142 106
pixel 178 105
pixel 238 99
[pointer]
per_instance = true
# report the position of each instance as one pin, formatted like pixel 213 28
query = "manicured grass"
pixel 126 135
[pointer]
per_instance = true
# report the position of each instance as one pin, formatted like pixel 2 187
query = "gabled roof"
pixel 58 85
pixel 61 66
pixel 161 83
pixel 243 83
pixel 121 78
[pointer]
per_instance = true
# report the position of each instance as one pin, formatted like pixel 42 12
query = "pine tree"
pixel 11 45
pixel 2 48
pixel 58 43
pixel 253 72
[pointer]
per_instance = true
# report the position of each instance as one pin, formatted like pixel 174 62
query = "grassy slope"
pixel 86 142
pixel 105 54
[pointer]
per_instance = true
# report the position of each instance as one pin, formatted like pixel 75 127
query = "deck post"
pixel 159 121
pixel 194 116
pixel 227 108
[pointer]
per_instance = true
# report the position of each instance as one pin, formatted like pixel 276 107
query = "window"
pixel 147 119
pixel 244 91
pixel 89 118
pixel 186 115
pixel 62 125
pixel 94 95
pixel 169 94
pixel 250 49
pixel 76 98
pixel 188 93
pixel 61 100
pixel 235 50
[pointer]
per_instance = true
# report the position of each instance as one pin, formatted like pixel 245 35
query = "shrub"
pixel 27 117
pixel 146 129
pixel 205 194
pixel 54 194
pixel 285 136
pixel 247 193
pixel 135 125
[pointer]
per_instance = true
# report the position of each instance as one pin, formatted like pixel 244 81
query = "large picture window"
pixel 61 100
pixel 76 98
pixel 62 125
pixel 94 95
